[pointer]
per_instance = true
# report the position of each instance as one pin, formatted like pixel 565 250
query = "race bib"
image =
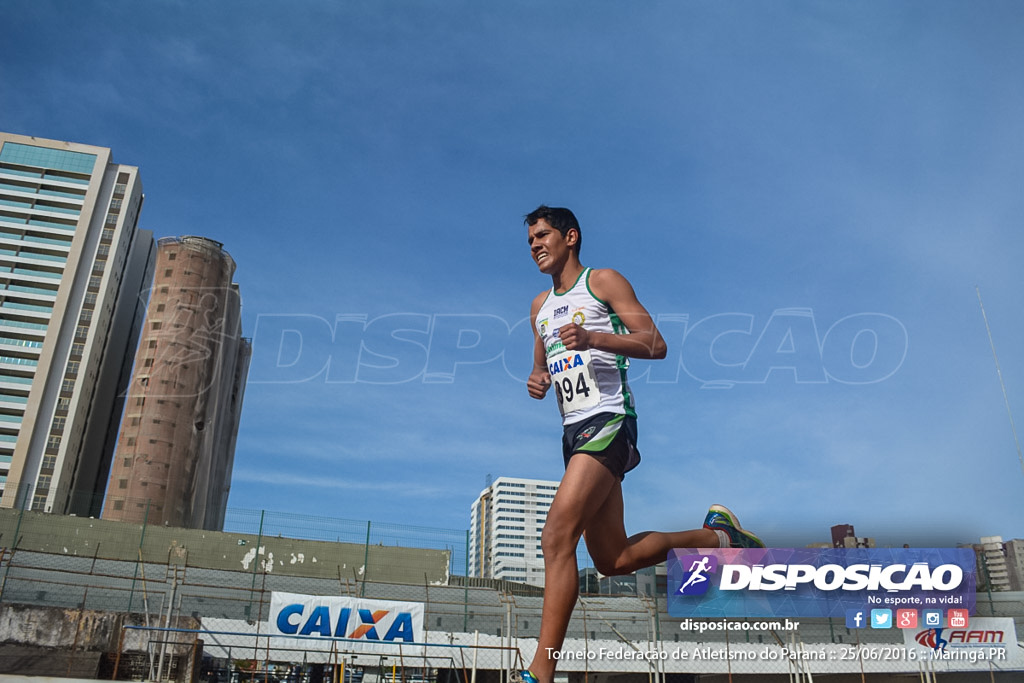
pixel 572 375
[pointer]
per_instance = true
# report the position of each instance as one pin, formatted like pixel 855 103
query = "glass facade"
pixel 42 157
pixel 35 198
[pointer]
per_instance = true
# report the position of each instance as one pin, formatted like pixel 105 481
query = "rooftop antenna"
pixel 1002 384
pixel 489 480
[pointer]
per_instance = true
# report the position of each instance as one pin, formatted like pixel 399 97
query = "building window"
pixel 122 483
pixel 173 255
pixel 168 272
pixel 119 505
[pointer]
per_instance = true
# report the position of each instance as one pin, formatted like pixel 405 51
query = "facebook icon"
pixel 855 618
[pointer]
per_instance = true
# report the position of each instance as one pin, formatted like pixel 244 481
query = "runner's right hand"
pixel 538 383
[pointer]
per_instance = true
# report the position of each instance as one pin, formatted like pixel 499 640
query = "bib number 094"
pixel 575 385
pixel 567 392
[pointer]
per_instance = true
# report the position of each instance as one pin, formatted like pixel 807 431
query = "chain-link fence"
pixel 145 513
pixel 172 603
pixel 268 524
pixel 93 564
pixel 151 653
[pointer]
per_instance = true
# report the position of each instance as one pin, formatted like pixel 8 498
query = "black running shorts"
pixel 609 438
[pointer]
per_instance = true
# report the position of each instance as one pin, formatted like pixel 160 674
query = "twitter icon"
pixel 881 618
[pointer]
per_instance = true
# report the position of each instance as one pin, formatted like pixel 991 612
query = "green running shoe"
pixel 721 518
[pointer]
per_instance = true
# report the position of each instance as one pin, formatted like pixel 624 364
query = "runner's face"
pixel 548 247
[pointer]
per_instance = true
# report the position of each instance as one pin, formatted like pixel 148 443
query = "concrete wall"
pixel 85 630
pixel 86 537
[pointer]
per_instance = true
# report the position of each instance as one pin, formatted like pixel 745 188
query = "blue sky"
pixel 804 194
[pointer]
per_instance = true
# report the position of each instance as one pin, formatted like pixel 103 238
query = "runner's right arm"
pixel 540 379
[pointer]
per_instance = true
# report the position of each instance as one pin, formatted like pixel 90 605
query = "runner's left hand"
pixel 574 337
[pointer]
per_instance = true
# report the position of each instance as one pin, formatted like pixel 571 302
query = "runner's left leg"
pixel 615 554
pixel 589 501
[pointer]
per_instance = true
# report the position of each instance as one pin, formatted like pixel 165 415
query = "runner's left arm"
pixel 643 341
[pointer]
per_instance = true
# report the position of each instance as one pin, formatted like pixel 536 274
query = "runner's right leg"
pixel 584 488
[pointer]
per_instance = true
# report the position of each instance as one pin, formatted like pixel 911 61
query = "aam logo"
pixel 696 571
pixel 933 639
pixel 319 622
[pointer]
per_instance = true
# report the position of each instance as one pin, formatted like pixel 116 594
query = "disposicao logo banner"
pixel 373 621
pixel 817 582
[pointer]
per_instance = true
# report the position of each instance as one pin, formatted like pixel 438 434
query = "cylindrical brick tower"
pixel 176 446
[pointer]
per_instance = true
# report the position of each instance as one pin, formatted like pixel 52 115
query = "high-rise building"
pixel 1015 563
pixel 177 442
pixel 72 265
pixel 999 566
pixel 993 557
pixel 505 528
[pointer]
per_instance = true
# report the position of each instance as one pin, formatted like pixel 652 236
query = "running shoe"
pixel 527 676
pixel 721 518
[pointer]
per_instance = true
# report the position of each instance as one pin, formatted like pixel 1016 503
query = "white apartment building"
pixel 1015 563
pixel 73 273
pixel 994 558
pixel 505 528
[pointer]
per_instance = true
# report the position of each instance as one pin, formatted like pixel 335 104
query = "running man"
pixel 586 328
pixel 697 569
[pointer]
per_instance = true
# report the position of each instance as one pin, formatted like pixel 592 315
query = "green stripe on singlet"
pixel 622 363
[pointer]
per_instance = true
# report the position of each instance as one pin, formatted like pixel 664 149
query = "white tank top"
pixel 585 382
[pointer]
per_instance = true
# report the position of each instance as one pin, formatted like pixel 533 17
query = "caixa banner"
pixel 817 582
pixel 327 617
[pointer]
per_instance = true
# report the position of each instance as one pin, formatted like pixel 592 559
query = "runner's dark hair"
pixel 561 219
